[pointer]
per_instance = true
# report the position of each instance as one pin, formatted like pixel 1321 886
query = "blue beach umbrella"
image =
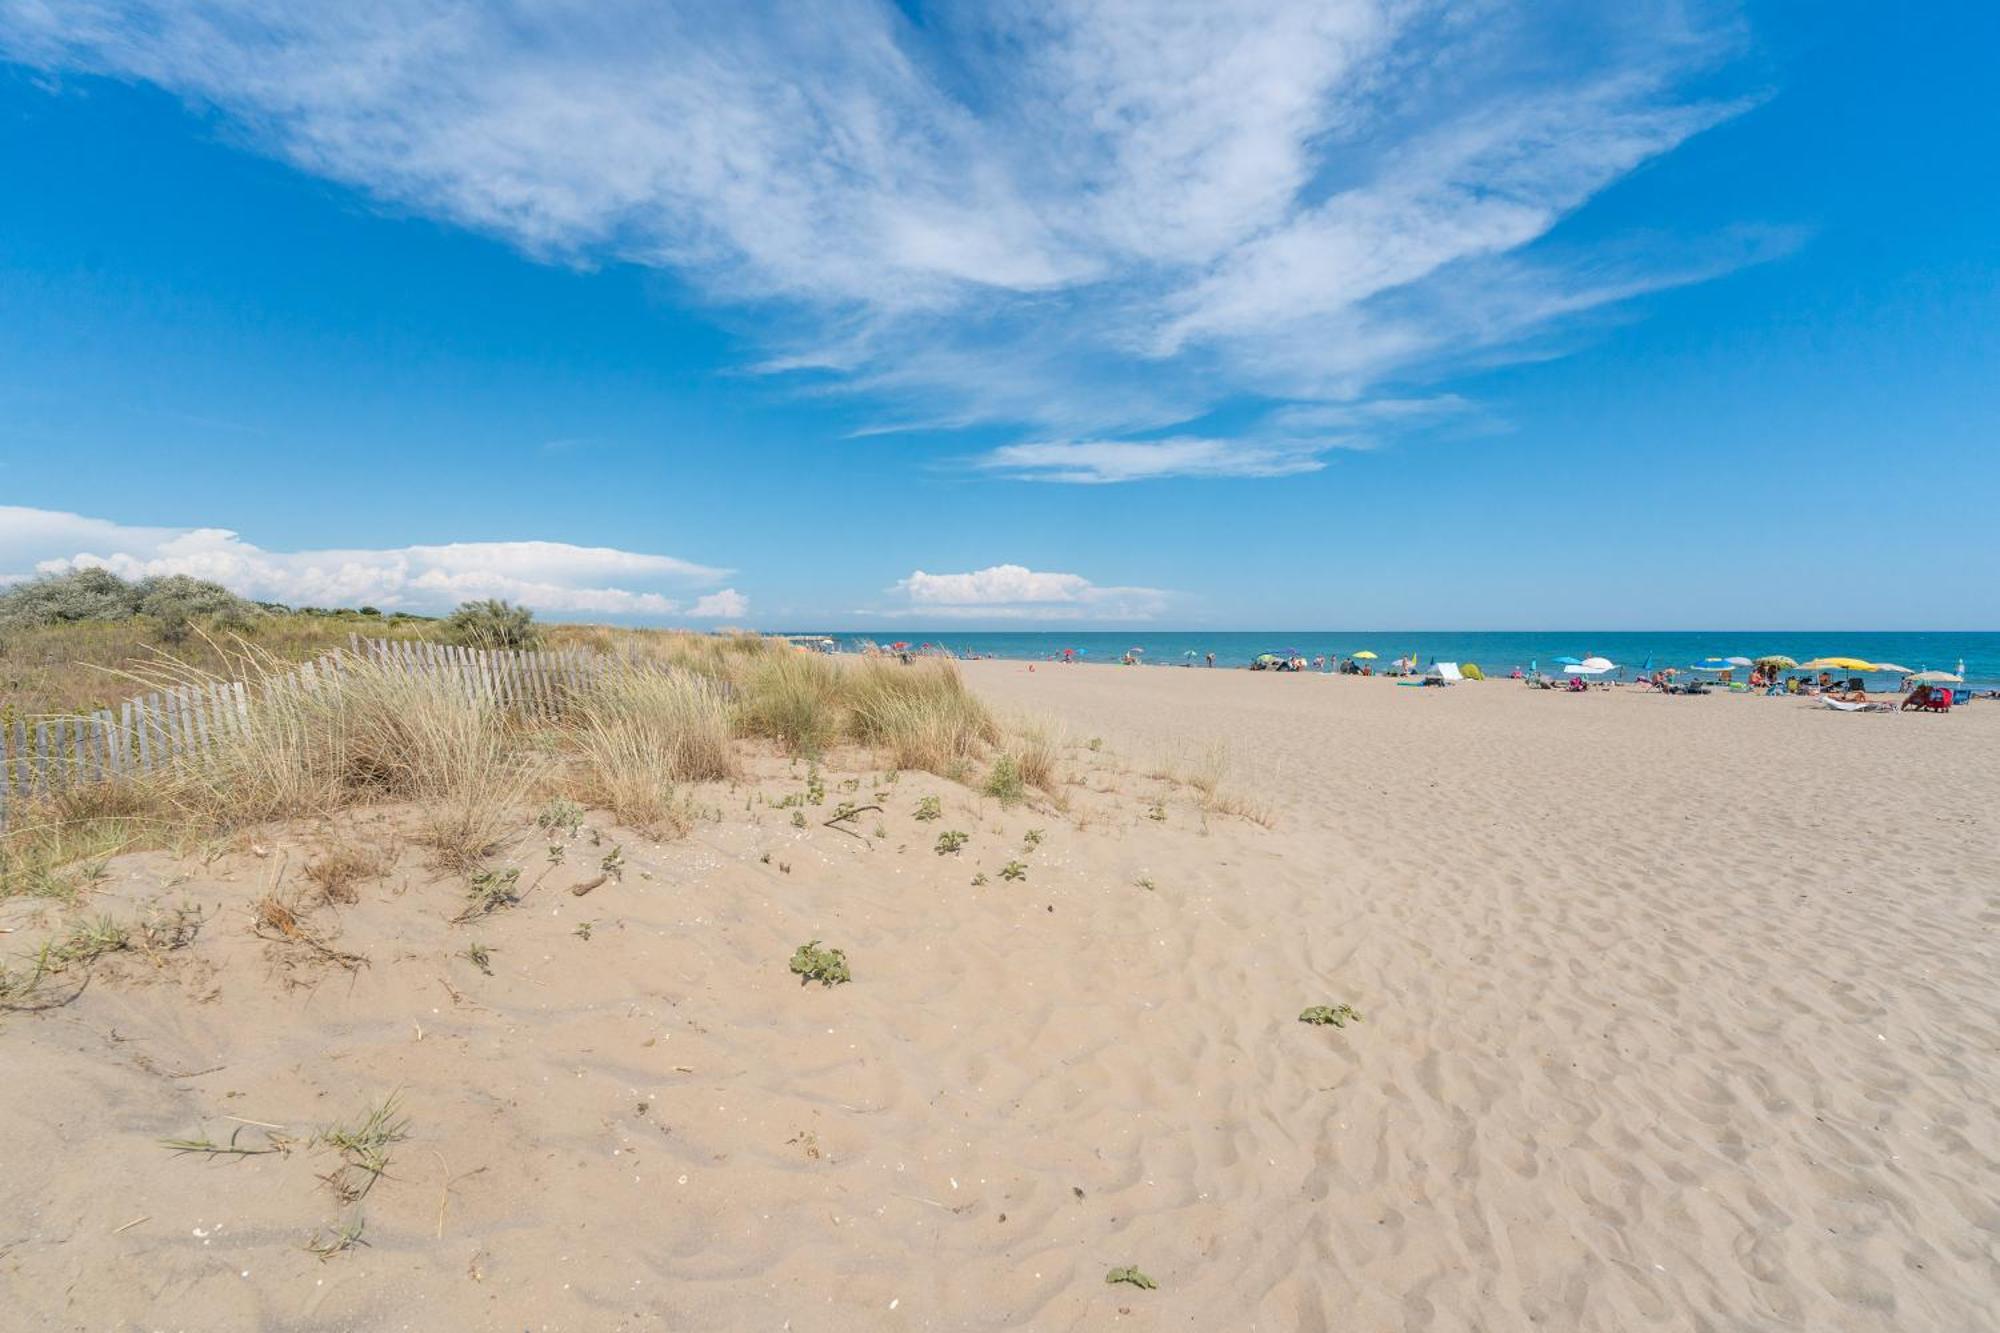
pixel 1569 661
pixel 1715 664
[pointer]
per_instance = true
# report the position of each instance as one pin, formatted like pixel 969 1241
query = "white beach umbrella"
pixel 1586 669
pixel 1891 669
pixel 1937 678
pixel 1598 663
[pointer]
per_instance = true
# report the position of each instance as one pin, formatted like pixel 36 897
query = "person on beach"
pixel 1211 659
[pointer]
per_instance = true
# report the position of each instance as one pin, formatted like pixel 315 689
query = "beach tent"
pixel 1446 671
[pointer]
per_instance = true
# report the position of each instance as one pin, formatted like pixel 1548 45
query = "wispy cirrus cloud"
pixel 1015 592
pixel 1093 223
pixel 548 576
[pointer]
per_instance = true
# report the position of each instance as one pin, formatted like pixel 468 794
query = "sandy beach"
pixel 1677 1013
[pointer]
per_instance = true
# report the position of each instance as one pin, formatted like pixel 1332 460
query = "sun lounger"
pixel 1847 706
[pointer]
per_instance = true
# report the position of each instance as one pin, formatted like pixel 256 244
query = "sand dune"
pixel 1679 1014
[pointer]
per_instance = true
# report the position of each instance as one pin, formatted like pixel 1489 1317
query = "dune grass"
pixel 664 714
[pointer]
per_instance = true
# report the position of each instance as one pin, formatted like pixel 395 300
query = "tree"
pixel 491 624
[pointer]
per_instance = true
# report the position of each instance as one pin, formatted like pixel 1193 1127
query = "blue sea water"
pixel 1496 653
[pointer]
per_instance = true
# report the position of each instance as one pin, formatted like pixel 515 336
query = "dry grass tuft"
pixel 794 699
pixel 919 716
pixel 637 733
pixel 336 870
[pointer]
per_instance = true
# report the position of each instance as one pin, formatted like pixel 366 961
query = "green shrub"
pixel 491 624
pixel 1339 1015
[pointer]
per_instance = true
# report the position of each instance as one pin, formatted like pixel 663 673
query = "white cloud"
pixel 1015 592
pixel 725 604
pixel 1089 221
pixel 548 576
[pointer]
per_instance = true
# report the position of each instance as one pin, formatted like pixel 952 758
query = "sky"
pixel 1282 314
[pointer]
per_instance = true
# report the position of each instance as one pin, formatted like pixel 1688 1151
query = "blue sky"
pixel 1470 316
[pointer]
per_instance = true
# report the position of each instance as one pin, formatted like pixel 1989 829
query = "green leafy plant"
pixel 583 929
pixel 1032 838
pixel 480 957
pixel 1014 870
pixel 490 890
pixel 1146 882
pixel 930 808
pixel 1131 1275
pixel 979 880
pixel 560 815
pixel 1004 782
pixel 613 862
pixel 1339 1015
pixel 1096 743
pixel 1157 813
pixel 826 966
pixel 798 819
pixel 950 841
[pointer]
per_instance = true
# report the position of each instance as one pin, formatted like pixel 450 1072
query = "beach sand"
pixel 1679 1013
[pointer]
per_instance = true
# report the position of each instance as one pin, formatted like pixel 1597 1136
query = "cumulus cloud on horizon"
pixel 547 576
pixel 1089 224
pixel 1015 592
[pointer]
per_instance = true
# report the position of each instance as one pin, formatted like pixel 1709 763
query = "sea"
pixel 1974 655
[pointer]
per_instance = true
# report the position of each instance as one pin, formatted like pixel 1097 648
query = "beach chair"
pixel 1939 702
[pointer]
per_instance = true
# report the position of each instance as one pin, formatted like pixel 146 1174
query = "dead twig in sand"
pixel 274 920
pixel 844 812
pixel 444 1188
pixel 133 1223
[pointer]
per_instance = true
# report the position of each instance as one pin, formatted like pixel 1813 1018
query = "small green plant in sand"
pixel 1004 783
pixel 208 1147
pixel 826 966
pixel 1032 838
pixel 490 890
pixel 336 1239
pixel 561 815
pixel 1014 870
pixel 930 808
pixel 1157 813
pixel 1339 1015
pixel 612 862
pixel 1131 1275
pixel 815 788
pixel 1096 743
pixel 798 819
pixel 480 957
pixel 1146 882
pixel 583 929
pixel 89 942
pixel 364 1145
pixel 979 880
pixel 950 841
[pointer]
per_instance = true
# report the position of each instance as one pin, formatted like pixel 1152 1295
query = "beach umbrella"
pixel 1364 656
pixel 1597 663
pixel 1715 664
pixel 1585 669
pixel 1739 661
pixel 1937 678
pixel 899 645
pixel 1837 664
pixel 1778 660
pixel 1891 669
pixel 1569 661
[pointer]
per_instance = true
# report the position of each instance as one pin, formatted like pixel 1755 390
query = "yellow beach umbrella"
pixel 1837 664
pixel 1364 656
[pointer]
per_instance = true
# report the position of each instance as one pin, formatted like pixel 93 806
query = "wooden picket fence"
pixel 189 723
